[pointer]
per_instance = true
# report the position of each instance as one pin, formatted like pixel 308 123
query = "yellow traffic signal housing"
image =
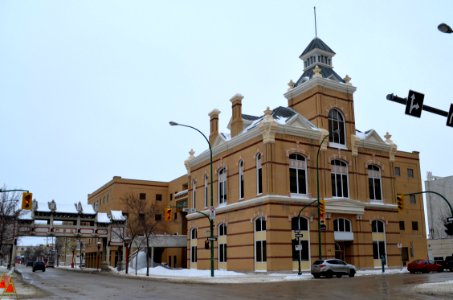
pixel 322 208
pixel 26 200
pixel 400 201
pixel 168 214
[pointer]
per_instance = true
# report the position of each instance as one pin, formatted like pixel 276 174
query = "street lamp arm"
pixel 438 194
pixel 196 129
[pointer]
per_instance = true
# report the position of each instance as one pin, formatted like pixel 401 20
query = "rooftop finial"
pixel 316 26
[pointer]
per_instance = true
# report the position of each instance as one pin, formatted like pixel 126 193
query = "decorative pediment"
pixel 299 121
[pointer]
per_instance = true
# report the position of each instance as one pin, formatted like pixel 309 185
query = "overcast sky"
pixel 87 88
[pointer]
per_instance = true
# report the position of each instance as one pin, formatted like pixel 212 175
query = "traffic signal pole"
pixel 432 192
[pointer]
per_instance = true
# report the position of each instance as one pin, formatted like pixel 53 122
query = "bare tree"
pixel 144 218
pixel 8 215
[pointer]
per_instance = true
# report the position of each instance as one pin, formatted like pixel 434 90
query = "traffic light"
pixel 400 201
pixel 168 214
pixel 322 208
pixel 26 200
pixel 449 228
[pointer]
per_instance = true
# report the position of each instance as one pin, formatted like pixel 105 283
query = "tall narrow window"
pixel 222 243
pixel 259 175
pixel 241 179
pixel 222 186
pixel 297 174
pixel 194 193
pixel 336 127
pixel 260 243
pixel 374 182
pixel 377 227
pixel 206 191
pixel 193 248
pixel 339 178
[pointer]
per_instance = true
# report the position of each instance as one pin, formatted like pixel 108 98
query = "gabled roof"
pixel 317 43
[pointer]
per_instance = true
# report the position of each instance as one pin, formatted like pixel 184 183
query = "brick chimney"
pixel 236 119
pixel 214 124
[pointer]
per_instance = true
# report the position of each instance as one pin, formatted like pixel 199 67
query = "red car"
pixel 424 266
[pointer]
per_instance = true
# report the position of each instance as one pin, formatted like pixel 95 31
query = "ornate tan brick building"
pixel 266 171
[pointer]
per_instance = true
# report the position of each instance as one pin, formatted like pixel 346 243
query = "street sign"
pixel 299 235
pixel 189 210
pixel 298 247
pixel 414 104
pixel 450 219
pixel 450 116
pixel 212 213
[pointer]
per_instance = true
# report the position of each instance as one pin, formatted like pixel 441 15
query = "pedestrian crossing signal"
pixel 26 200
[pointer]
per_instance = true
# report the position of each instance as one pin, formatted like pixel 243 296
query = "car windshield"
pixel 318 262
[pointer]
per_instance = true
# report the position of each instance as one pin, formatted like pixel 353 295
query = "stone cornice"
pixel 338 86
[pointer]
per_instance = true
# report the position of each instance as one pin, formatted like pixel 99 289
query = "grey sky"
pixel 88 87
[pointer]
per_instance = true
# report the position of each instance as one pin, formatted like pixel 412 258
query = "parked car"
pixel 424 266
pixel 39 265
pixel 330 267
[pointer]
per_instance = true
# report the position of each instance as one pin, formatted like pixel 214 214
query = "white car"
pixel 330 267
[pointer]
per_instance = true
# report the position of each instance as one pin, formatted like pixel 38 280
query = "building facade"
pixel 163 195
pixel 439 243
pixel 270 171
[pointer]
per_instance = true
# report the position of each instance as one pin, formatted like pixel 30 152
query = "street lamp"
pixel 211 220
pixel 97 262
pixel 317 194
pixel 444 28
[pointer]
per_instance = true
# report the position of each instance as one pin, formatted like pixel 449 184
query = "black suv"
pixel 39 265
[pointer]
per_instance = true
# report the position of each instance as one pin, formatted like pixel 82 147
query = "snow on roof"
pixel 102 218
pixel 117 215
pixel 66 208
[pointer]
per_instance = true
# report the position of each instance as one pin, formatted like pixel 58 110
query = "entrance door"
pixel 343 250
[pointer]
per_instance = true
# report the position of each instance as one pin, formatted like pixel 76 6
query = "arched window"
pixel 374 182
pixel 206 190
pixel 342 225
pixel 377 226
pixel 260 224
pixel 378 230
pixel 336 127
pixel 339 178
pixel 222 192
pixel 299 224
pixel 194 193
pixel 259 175
pixel 297 174
pixel 241 179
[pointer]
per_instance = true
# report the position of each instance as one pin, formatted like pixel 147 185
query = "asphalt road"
pixel 66 284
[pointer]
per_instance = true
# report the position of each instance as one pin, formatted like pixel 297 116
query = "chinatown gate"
pixel 77 222
pixel 74 222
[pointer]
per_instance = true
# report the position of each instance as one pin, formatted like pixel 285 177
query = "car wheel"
pixel 412 272
pixel 351 273
pixel 43 270
pixel 329 274
pixel 33 270
pixel 339 275
pixel 316 275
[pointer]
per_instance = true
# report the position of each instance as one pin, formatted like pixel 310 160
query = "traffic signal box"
pixel 168 214
pixel 27 200
pixel 322 209
pixel 449 228
pixel 400 201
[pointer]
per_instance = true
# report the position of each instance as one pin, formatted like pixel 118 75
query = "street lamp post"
pixel 318 198
pixel 211 220
pixel 97 257
pixel 445 28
